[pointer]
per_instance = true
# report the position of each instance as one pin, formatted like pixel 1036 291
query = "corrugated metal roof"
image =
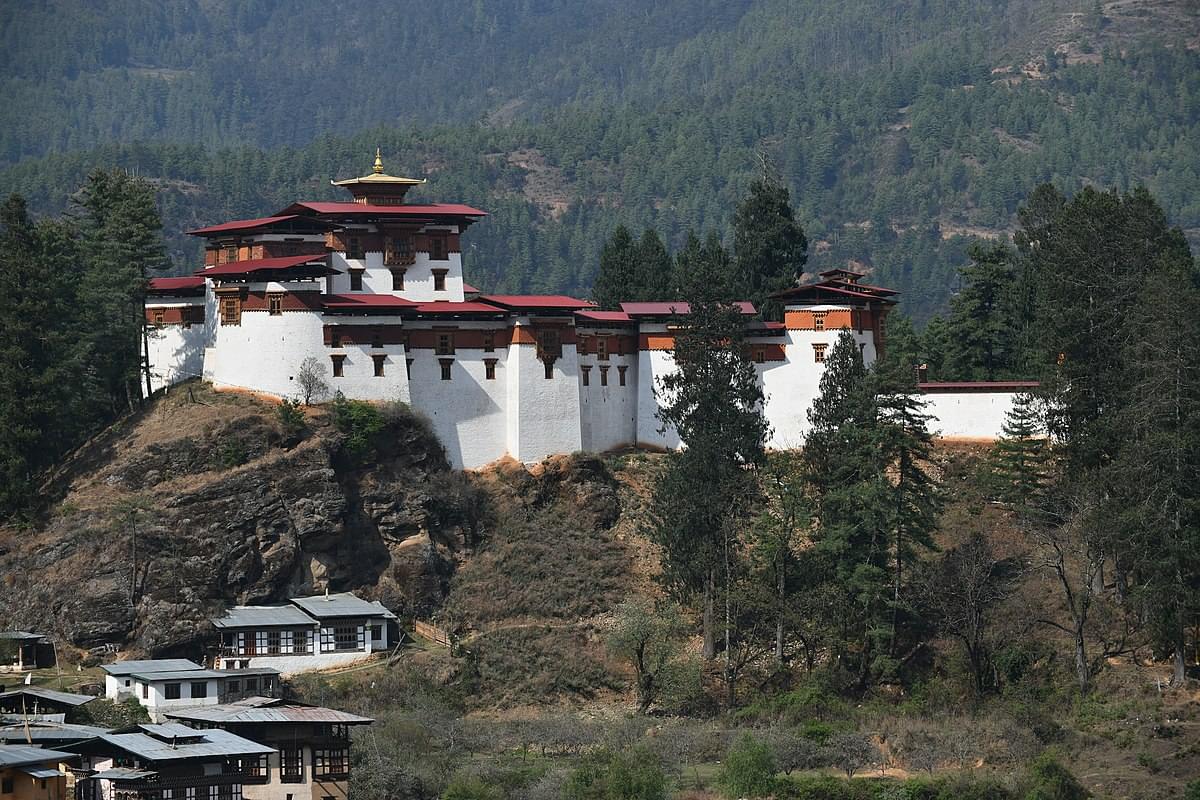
pixel 123 774
pixel 252 710
pixel 150 665
pixel 340 604
pixel 65 698
pixel 263 617
pixel 176 675
pixel 20 635
pixel 41 772
pixel 18 755
pixel 42 731
pixel 213 743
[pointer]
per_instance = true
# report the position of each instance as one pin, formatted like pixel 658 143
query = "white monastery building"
pixel 373 288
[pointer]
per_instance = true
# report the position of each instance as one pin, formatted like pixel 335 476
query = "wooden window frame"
pixel 160 317
pixel 398 279
pixel 489 369
pixel 445 343
pixel 819 320
pixel 356 279
pixel 585 372
pixel 439 279
pixel 339 365
pixel 275 303
pixel 447 365
pixel 354 248
pixel 489 341
pixel 291 764
pixel 173 691
pixel 379 360
pixel 439 247
pixel 604 375
pixel 819 349
pixel 621 370
pixel 394 256
pixel 230 308
pixel 602 348
pixel 760 355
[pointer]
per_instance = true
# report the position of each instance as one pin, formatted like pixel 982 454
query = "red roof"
pixel 604 316
pixel 857 291
pixel 977 386
pixel 250 224
pixel 260 265
pixel 468 307
pixel 469 289
pixel 537 301
pixel 429 210
pixel 368 301
pixel 168 285
pixel 670 308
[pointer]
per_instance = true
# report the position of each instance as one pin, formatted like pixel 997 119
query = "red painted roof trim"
pixel 191 284
pixel 977 386
pixel 406 210
pixel 263 265
pixel 368 301
pixel 612 317
pixel 251 224
pixel 537 301
pixel 445 307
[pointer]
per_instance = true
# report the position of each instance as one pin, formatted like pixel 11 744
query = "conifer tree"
pixel 769 245
pixel 982 334
pixel 714 402
pixel 616 280
pixel 1018 461
pixel 652 271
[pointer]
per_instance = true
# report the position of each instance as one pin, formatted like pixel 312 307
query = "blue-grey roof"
pixel 122 668
pixel 250 672
pixel 199 673
pixel 18 755
pixel 214 743
pixel 262 709
pixel 41 772
pixel 341 604
pixel 37 692
pixel 264 617
pixel 14 729
pixel 124 774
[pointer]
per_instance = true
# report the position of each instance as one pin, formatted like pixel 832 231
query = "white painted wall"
pixel 652 366
pixel 968 415
pixel 176 353
pixel 543 416
pixel 608 414
pixel 418 276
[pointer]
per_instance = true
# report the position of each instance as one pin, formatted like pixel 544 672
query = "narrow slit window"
pixel 439 280
pixel 275 304
pixel 446 364
pixel 621 375
pixel 586 374
pixel 379 360
pixel 398 280
pixel 356 280
pixel 489 369
pixel 604 376
pixel 339 365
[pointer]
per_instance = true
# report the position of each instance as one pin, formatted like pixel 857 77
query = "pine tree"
pixel 769 245
pixel 652 273
pixel 982 334
pixel 1019 459
pixel 617 278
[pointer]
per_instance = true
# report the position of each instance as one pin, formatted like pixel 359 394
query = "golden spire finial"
pixel 378 162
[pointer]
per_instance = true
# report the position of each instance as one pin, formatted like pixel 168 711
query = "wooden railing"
pixel 431 632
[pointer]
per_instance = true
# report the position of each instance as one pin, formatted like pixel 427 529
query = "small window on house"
pixel 291 765
pixel 446 364
pixel 376 633
pixel 6 785
pixel 445 344
pixel 397 280
pixel 398 251
pixel 231 311
pixel 437 248
pixel 159 318
pixel 229 254
pixel 171 691
pixel 489 341
pixel 760 355
pixel 439 280
pixel 233 686
pixel 128 683
pixel 489 369
pixel 819 320
pixel 354 247
pixel 621 375
pixel 602 348
pixel 379 359
pixel 145 691
pixel 275 303
pixel 339 365
pixel 199 689
pixel 251 684
pixel 549 365
pixel 819 352
pixel 356 280
pixel 586 374
pixel 604 376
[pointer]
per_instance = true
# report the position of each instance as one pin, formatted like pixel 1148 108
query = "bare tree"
pixel 850 751
pixel 311 379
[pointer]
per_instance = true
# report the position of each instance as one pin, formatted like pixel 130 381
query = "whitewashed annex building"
pixel 374 289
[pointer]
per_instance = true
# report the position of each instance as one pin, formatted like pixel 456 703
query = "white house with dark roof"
pixel 308 633
pixel 166 762
pixel 162 685
pixel 313 744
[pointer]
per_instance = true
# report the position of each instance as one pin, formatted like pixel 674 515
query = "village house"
pixel 22 650
pixel 45 733
pixel 373 290
pixel 307 633
pixel 162 685
pixel 312 744
pixel 36 701
pixel 166 762
pixel 33 773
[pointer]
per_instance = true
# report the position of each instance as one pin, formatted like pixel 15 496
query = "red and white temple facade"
pixel 374 290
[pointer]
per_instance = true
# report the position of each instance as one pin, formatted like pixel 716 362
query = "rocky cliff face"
pixel 206 500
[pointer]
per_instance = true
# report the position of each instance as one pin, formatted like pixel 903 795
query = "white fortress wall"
pixel 418 276
pixel 359 381
pixel 608 414
pixel 543 413
pixel 468 412
pixel 968 414
pixel 652 365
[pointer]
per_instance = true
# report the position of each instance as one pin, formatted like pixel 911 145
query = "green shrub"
pixel 471 788
pixel 105 713
pixel 291 419
pixel 748 769
pixel 631 775
pixel 815 700
pixel 1052 781
pixel 362 423
pixel 1192 792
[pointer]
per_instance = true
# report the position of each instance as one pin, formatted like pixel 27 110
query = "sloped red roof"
pixel 251 224
pixel 185 285
pixel 261 265
pixel 449 308
pixel 604 316
pixel 670 308
pixel 469 289
pixel 851 290
pixel 537 301
pixel 368 302
pixel 357 209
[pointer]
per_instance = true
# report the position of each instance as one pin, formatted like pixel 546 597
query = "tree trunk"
pixel 1179 660
pixel 1083 675
pixel 709 651
pixel 780 582
pixel 730 692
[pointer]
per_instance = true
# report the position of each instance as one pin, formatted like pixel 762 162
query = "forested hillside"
pixel 902 130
